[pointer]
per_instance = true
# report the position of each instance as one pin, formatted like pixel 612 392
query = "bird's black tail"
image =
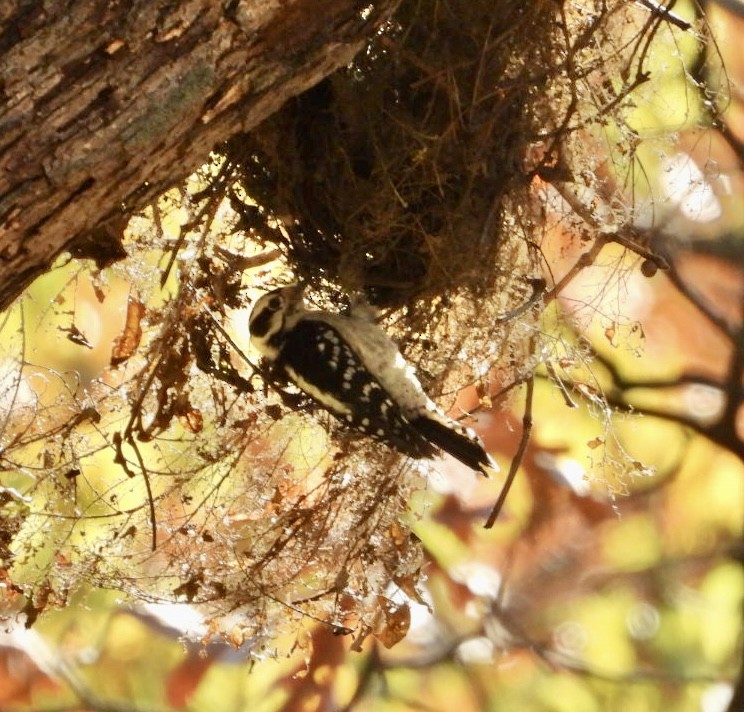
pixel 460 442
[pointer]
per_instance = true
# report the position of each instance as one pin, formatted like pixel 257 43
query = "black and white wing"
pixel 322 364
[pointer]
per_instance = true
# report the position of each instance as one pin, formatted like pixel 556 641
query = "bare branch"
pixel 517 460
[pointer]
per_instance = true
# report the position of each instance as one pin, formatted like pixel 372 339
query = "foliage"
pixel 491 176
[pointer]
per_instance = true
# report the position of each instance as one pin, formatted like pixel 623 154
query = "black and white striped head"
pixel 272 316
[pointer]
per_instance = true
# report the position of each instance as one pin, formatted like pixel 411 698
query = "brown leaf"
pixel 99 292
pixel 311 685
pixel 192 420
pixel 407 584
pixel 183 681
pixel 20 678
pixel 128 341
pixel 395 622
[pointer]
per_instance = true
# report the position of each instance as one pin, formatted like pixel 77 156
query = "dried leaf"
pixel 21 679
pixel 236 636
pixel 99 292
pixel 192 420
pixel 407 584
pixel 76 336
pixel 395 622
pixel 61 560
pixel 183 681
pixel 128 341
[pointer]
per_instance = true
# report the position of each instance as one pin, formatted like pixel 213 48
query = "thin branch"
pixel 722 431
pixel 565 662
pixel 517 460
pixel 585 260
pixel 241 263
pixel 209 208
pixel 624 235
pixel 699 303
pixel 446 654
pixel 555 378
pixel 121 460
pixel 148 487
pixel 371 668
pixel 555 658
pixel 734 379
pixel 660 10
pixel 538 290
pixel 685 379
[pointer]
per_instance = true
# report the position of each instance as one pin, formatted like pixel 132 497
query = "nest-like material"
pixel 397 175
pixel 415 175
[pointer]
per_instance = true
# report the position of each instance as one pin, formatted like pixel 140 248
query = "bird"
pixel 349 365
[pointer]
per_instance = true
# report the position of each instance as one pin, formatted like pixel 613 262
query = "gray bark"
pixel 106 103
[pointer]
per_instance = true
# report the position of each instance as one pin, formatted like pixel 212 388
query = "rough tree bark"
pixel 106 103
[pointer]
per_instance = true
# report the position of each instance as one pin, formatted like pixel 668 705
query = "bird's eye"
pixel 275 303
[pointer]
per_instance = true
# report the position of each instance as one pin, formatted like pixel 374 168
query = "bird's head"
pixel 272 315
